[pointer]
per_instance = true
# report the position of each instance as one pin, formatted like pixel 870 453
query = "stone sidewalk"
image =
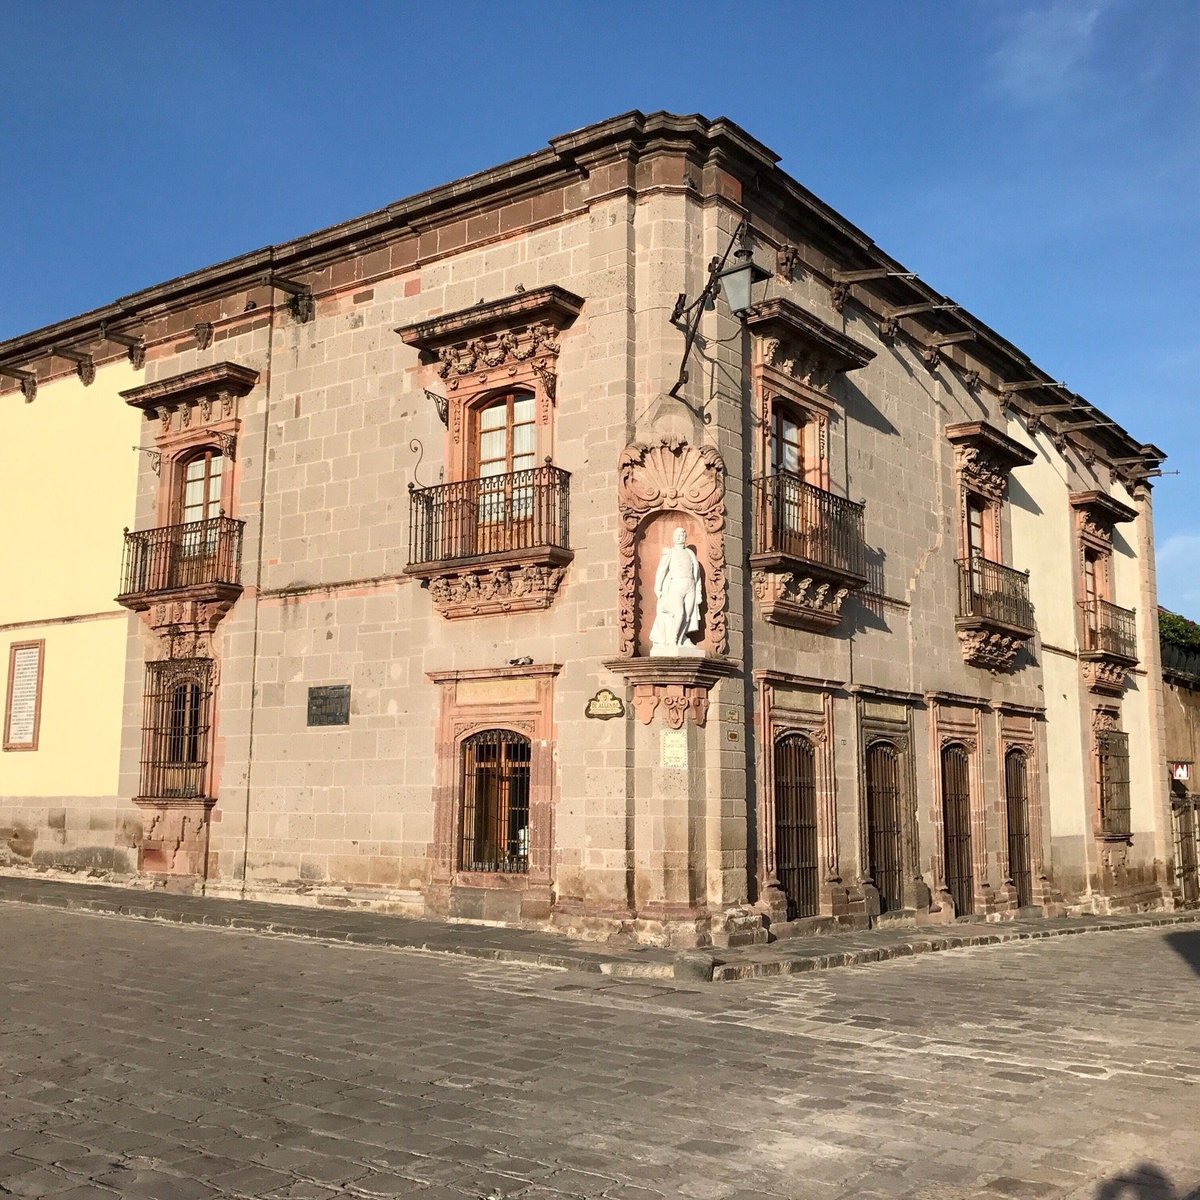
pixel 533 948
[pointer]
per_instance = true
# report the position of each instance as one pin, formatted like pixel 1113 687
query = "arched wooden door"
pixel 956 827
pixel 796 863
pixel 1016 804
pixel 885 841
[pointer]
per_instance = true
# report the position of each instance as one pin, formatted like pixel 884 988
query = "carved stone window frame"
pixel 958 720
pixel 796 360
pixel 984 457
pixel 520 700
pixel 196 410
pixel 810 714
pixel 480 353
pixel 1017 729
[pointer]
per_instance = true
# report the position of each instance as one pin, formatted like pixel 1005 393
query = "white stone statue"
pixel 679 590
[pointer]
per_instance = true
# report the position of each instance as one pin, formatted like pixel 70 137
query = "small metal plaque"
pixel 329 705
pixel 603 706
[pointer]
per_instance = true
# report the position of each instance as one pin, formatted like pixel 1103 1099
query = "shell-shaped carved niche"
pixel 674 475
pixel 671 477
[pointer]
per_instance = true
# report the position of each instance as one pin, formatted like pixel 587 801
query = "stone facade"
pixel 926 678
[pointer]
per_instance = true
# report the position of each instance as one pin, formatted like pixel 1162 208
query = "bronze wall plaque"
pixel 603 706
pixel 329 705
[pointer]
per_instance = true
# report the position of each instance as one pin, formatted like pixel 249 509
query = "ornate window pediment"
pixel 507 343
pixel 1095 515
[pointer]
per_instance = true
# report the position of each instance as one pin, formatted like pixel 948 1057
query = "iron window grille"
pixel 495 802
pixel 1016 803
pixel 176 725
pixel 1112 749
pixel 956 822
pixel 884 824
pixel 796 852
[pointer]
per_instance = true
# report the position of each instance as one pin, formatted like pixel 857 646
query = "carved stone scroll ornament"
pixel 1105 677
pixel 476 593
pixel 672 476
pixel 994 651
pixel 980 472
pixel 799 361
pixel 797 600
pixel 678 701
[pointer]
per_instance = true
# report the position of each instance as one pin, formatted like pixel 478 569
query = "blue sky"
pixel 1037 160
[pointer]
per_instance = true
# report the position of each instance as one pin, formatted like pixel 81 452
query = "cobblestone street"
pixel 145 1060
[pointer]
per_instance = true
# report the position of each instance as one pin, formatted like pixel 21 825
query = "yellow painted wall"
pixel 70 478
pixel 79 743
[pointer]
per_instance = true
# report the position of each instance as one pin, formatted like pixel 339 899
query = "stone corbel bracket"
pixel 499 344
pixel 680 687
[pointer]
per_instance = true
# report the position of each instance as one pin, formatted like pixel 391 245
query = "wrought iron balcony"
pixel 993 594
pixel 798 521
pixel 494 544
pixel 1110 630
pixel 199 559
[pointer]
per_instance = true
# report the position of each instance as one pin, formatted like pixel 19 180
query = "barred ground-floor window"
pixel 494 833
pixel 956 827
pixel 176 727
pixel 1112 757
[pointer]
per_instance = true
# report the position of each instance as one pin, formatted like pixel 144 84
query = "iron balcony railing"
pixel 1182 659
pixel 808 523
pixel 520 511
pixel 1110 629
pixel 990 591
pixel 182 556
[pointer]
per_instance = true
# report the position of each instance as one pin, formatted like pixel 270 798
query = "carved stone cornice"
pixel 679 686
pixel 671 476
pixel 801 346
pixel 1095 515
pixel 984 456
pixel 207 388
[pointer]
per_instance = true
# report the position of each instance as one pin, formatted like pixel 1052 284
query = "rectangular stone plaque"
pixel 329 705
pixel 673 754
pixel 23 708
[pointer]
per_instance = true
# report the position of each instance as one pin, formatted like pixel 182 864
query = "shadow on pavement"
pixel 1143 1182
pixel 1187 946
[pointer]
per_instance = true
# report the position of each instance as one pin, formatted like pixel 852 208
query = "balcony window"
pixel 994 593
pixel 806 523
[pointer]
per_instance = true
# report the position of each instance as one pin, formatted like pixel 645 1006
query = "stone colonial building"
pixel 1179 641
pixel 400 524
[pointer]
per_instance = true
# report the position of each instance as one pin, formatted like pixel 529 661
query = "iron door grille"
pixel 884 837
pixel 1016 804
pixel 176 723
pixel 956 823
pixel 1186 856
pixel 1113 752
pixel 796 824
pixel 495 808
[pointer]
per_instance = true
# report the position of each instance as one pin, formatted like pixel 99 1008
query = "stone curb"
pixel 691 966
pixel 726 971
